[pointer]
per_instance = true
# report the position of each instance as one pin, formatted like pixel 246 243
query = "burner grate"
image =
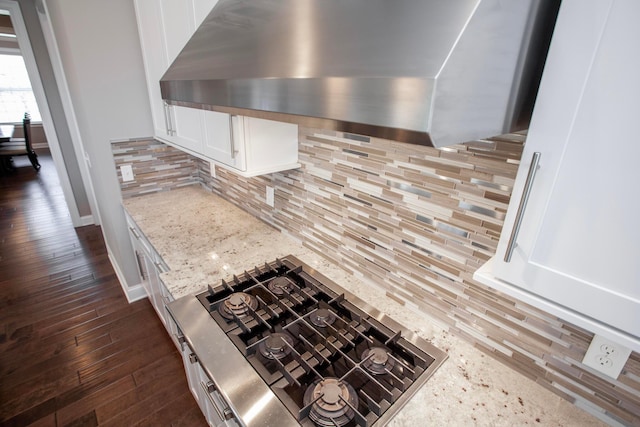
pixel 327 360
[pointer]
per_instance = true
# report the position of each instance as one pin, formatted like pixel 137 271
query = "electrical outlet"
pixel 212 169
pixel 606 356
pixel 127 173
pixel 270 196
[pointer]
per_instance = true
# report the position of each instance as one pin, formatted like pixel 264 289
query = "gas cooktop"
pixel 330 359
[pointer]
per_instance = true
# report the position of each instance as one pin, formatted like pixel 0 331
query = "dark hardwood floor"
pixel 73 352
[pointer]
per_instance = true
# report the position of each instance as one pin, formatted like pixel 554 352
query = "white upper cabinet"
pixel 164 27
pixel 248 146
pixel 269 146
pixel 575 247
pixel 201 9
pixel 150 29
pixel 218 142
pixel 178 23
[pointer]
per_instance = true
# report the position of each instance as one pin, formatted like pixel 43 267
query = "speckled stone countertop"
pixel 203 239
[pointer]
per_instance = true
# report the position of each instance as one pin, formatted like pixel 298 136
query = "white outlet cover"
pixel 270 196
pixel 606 356
pixel 127 173
pixel 212 169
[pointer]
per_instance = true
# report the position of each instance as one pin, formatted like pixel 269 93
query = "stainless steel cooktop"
pixel 285 345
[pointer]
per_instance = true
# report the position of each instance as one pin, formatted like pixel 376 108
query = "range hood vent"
pixel 431 72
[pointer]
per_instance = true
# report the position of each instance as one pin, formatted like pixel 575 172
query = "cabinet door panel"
pixel 178 22
pixel 270 143
pixel 219 129
pixel 187 126
pixel 151 32
pixel 578 244
pixel 201 9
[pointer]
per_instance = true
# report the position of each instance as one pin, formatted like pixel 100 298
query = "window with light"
pixel 16 95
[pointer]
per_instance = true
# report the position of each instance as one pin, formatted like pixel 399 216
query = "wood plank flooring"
pixel 73 352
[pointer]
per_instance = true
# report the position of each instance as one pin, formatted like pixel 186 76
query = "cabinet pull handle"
pixel 135 233
pixel 228 415
pixel 528 185
pixel 210 388
pixel 232 142
pixel 180 339
pixel 167 124
pixel 171 121
pixel 159 267
pixel 141 269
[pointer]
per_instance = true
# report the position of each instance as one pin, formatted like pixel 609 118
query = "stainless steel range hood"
pixel 432 72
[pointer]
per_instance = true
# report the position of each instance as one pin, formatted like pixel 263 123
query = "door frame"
pixel 47 121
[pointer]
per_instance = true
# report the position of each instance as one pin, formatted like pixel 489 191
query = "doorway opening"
pixel 26 34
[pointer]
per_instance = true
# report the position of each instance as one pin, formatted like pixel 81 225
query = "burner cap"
pixel 322 317
pixel 330 397
pixel 237 303
pixel 377 361
pixel 275 345
pixel 280 286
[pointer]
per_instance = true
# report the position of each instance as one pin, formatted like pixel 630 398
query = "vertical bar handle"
pixel 232 139
pixel 167 126
pixel 135 233
pixel 208 389
pixel 528 185
pixel 172 129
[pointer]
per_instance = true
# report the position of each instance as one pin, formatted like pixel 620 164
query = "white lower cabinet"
pixel 204 391
pixel 150 265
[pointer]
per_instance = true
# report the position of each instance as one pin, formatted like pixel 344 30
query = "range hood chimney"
pixel 430 72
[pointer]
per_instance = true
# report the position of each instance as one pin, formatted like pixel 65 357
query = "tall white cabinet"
pixel 164 27
pixel 571 239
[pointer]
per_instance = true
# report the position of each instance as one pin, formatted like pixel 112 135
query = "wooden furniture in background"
pixel 19 147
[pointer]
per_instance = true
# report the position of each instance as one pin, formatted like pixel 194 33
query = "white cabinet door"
pixel 579 239
pixel 186 124
pixel 201 9
pixel 269 146
pixel 178 23
pixel 165 27
pixel 149 275
pixel 150 265
pixel 151 30
pixel 189 359
pixel 250 146
pixel 224 139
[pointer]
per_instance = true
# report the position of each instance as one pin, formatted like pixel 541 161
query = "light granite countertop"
pixel 204 239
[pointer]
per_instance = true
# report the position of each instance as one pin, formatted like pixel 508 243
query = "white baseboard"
pixel 87 220
pixel 133 293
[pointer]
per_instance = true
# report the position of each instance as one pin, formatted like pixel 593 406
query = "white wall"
pixel 80 191
pixel 100 51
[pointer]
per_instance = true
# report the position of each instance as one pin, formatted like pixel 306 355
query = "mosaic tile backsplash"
pixel 416 221
pixel 156 166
